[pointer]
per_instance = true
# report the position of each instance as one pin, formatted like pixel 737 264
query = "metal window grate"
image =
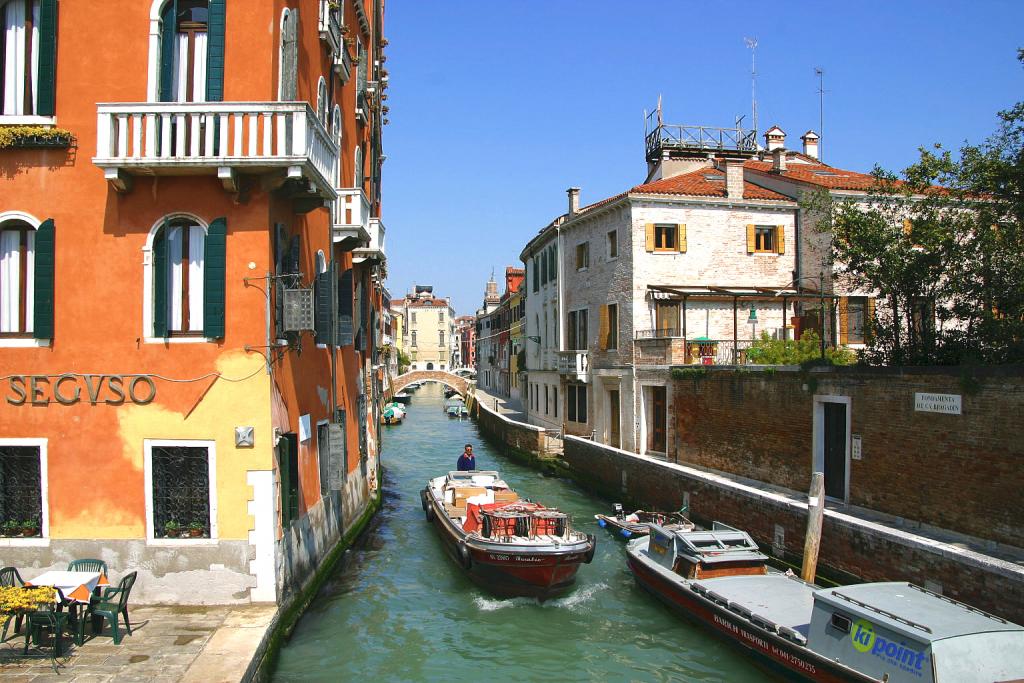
pixel 299 309
pixel 21 504
pixel 181 491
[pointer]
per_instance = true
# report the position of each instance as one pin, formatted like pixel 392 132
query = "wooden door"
pixel 614 432
pixel 835 450
pixel 659 415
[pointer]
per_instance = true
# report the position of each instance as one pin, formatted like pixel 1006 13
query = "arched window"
pixel 27 57
pixel 359 177
pixel 184 51
pixel 287 90
pixel 323 106
pixel 187 278
pixel 26 277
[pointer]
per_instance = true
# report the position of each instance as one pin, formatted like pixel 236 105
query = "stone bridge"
pixel 459 384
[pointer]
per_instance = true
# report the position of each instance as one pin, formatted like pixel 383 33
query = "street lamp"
pixel 752 320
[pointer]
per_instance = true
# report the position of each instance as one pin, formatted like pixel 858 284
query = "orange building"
pixel 191 261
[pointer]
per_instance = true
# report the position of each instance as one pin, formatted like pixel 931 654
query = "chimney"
pixel 734 178
pixel 774 138
pixel 810 139
pixel 574 200
pixel 779 160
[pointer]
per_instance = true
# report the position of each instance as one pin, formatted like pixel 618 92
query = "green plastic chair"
pixel 111 611
pixel 88 566
pixel 10 577
pixel 53 618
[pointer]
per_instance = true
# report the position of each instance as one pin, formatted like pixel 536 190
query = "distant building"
pixel 465 331
pixel 429 329
pixel 494 339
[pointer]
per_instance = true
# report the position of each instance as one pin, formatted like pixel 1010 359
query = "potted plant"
pixel 172 529
pixel 196 529
pixel 10 528
pixel 30 527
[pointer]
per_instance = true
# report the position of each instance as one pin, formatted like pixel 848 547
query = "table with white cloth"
pixel 77 586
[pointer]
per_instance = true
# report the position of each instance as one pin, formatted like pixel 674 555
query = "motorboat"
pixel 891 632
pixel 507 545
pixel 638 522
pixel 393 413
pixel 403 397
pixel 456 407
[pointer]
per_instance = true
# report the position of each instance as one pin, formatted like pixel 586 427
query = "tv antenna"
pixel 752 44
pixel 820 73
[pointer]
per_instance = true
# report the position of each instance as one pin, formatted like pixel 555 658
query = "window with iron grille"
pixel 21 501
pixel 181 491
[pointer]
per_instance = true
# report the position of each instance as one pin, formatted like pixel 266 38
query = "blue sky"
pixel 498 107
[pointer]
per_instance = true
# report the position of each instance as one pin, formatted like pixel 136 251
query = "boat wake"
pixel 579 597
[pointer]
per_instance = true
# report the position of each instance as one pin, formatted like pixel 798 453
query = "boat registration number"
pixel 506 558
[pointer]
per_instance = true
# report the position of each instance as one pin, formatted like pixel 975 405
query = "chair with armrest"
pixel 52 617
pixel 9 578
pixel 112 605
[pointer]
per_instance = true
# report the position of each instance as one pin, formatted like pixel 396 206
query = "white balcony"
pixel 215 138
pixel 352 217
pixel 374 251
pixel 574 365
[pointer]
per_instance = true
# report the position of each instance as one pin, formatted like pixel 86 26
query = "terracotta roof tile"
pixel 705 182
pixel 819 174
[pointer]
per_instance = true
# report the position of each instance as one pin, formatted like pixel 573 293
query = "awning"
pixel 681 292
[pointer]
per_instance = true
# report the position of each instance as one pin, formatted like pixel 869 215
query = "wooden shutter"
pixel 160 266
pixel 780 239
pixel 46 82
pixel 168 33
pixel 681 237
pixel 908 227
pixel 324 305
pixel 869 318
pixel 844 320
pixel 602 333
pixel 214 278
pixel 650 236
pixel 290 57
pixel 751 238
pixel 345 295
pixel 215 25
pixel 292 262
pixel 42 316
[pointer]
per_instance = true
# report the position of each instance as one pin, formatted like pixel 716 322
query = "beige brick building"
pixel 429 329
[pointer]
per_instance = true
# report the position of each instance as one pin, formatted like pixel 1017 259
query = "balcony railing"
pixel 330 24
pixel 574 364
pixel 352 217
pixel 659 333
pixel 219 138
pixel 375 249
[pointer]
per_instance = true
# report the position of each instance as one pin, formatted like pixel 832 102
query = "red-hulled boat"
pixel 510 547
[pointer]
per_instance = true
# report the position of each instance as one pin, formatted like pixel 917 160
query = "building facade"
pixel 193 396
pixel 430 329
pixel 495 320
pixel 689 267
pixel 465 330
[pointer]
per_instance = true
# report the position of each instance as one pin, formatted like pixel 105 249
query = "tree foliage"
pixel 769 351
pixel 943 246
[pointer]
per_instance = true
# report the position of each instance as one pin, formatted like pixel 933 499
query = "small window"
pixel 613 244
pixel 576 402
pixel 21 501
pixel 554 399
pixel 414 338
pixel 17 271
pixel 27 42
pixel 178 278
pixel 440 337
pixel 612 341
pixel 546 400
pixel 582 255
pixel 764 239
pixel 840 622
pixel 180 479
pixel 665 238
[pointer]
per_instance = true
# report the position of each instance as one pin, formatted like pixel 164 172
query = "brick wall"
pixel 523 437
pixel 959 472
pixel 851 549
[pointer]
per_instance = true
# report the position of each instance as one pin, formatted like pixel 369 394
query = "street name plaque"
pixel 948 404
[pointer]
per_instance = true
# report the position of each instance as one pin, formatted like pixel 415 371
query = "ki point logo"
pixel 866 641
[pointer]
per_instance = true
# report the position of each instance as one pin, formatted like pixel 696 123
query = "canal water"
pixel 401 610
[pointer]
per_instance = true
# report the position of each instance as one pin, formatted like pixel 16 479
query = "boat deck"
pixel 771 598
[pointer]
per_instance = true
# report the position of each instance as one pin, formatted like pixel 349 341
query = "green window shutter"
pixel 323 305
pixel 46 84
pixel 215 25
pixel 42 316
pixel 168 32
pixel 214 276
pixel 345 306
pixel 160 266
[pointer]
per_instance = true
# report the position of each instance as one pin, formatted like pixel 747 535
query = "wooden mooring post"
pixel 815 515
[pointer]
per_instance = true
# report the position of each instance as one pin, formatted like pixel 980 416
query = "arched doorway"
pixel 430 366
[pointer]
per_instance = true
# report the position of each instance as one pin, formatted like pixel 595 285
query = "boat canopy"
pixel 721 543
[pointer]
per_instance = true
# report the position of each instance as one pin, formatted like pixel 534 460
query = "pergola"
pixel 736 294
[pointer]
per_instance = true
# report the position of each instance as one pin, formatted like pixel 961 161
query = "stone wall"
pixel 851 549
pixel 522 437
pixel 959 472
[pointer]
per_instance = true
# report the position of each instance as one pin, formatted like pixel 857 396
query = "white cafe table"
pixel 77 586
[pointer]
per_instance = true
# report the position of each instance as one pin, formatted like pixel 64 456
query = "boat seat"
pixel 766 624
pixel 740 609
pixel 792 634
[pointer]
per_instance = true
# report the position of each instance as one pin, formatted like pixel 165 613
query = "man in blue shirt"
pixel 467 462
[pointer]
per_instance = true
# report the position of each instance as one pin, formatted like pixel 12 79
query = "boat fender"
pixel 423 500
pixel 589 557
pixel 601 523
pixel 428 511
pixel 465 559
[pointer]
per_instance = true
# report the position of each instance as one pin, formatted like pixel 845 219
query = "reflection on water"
pixel 399 609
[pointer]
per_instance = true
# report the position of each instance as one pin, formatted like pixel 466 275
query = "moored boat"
pixel 393 413
pixel 509 546
pixel 638 522
pixel 881 632
pixel 455 407
pixel 403 397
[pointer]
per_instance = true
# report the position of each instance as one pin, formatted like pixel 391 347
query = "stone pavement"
pixel 512 408
pixel 212 644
